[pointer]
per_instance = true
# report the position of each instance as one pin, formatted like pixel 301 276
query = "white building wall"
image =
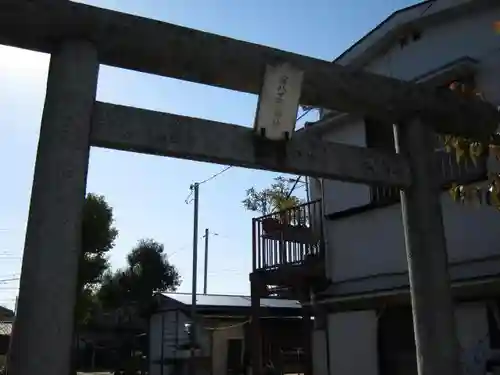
pixel 372 242
pixel 472 332
pixel 340 195
pixel 470 36
pixel 220 344
pixel 353 343
pixel 467 37
pixel 155 344
pixel 167 332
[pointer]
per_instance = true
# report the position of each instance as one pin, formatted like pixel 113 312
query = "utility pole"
pixel 308 194
pixel 205 274
pixel 192 363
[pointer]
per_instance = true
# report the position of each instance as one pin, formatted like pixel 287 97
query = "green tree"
pixel 127 294
pixel 112 293
pixel 98 238
pixel 275 198
pixel 148 271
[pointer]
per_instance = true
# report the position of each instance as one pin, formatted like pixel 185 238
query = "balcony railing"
pixel 464 172
pixel 289 237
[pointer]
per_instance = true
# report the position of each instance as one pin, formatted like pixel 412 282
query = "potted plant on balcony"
pixel 273 203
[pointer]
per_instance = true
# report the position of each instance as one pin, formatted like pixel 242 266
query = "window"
pixel 380 135
pixel 409 36
pixel 403 41
pixel 188 328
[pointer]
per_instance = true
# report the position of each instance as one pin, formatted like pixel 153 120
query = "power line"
pixel 293 187
pixel 9 279
pixel 183 247
pixel 236 272
pixel 189 200
pixel 299 177
pixel 215 175
pixel 219 235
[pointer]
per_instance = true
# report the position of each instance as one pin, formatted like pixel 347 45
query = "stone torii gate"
pixel 80 37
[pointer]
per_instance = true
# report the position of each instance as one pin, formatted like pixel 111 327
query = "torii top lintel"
pixel 155 47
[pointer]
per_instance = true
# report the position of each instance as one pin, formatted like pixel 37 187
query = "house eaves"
pixel 414 18
pixel 225 305
pixel 435 77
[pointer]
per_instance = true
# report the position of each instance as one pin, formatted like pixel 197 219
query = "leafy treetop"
pixel 275 198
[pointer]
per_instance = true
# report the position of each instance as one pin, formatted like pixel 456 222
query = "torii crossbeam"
pixel 150 46
pixel 80 37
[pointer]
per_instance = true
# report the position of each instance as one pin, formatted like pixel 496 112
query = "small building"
pixel 6 321
pixel 112 339
pixel 223 334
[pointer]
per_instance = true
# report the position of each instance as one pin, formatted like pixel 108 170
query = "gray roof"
pixel 5 312
pixel 216 300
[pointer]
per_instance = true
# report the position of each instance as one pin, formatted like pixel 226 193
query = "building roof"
pixel 377 41
pixel 435 77
pixel 379 31
pixel 234 304
pixel 5 313
pixel 421 15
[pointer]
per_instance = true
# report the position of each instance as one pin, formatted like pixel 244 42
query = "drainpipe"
pixel 324 230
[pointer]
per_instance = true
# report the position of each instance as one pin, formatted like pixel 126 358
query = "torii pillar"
pixel 43 329
pixel 436 342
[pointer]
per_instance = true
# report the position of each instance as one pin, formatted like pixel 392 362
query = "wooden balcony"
pixel 288 247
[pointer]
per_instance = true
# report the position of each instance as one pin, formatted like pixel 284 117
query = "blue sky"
pixel 148 193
